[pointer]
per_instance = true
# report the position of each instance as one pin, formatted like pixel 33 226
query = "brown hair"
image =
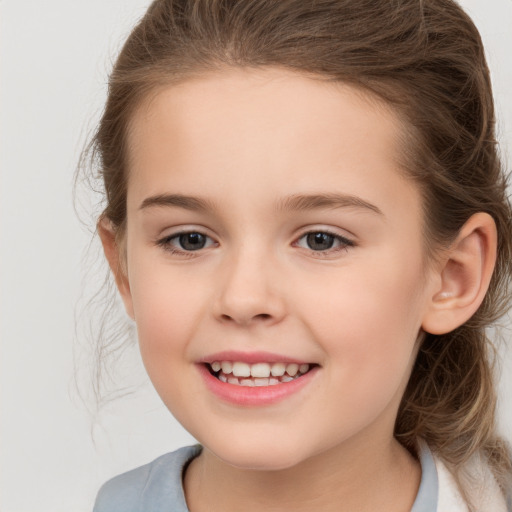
pixel 425 59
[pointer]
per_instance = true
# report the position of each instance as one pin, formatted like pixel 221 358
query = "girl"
pixel 307 220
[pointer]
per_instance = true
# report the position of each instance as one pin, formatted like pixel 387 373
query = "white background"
pixel 55 56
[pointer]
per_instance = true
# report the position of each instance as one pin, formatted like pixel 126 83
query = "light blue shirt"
pixel 157 486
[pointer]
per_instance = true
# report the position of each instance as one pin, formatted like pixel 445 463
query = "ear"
pixel 463 276
pixel 117 262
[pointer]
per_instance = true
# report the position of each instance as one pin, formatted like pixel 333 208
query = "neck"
pixel 357 476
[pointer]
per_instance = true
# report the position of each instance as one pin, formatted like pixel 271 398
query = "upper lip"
pixel 251 357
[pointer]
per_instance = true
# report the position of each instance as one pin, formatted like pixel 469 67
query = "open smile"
pixel 258 374
pixel 255 379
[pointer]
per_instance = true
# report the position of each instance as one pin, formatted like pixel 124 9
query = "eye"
pixel 185 242
pixel 322 241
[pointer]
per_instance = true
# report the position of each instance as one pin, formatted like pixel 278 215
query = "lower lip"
pixel 257 395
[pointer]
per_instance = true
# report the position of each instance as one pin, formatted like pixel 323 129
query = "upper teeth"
pixel 258 370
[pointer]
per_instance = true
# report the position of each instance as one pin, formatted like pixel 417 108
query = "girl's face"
pixel 268 222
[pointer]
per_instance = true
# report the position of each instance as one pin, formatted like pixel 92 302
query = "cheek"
pixel 368 320
pixel 167 308
pixel 165 322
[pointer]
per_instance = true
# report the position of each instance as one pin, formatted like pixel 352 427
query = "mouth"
pixel 260 374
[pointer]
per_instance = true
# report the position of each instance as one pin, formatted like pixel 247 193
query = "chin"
pixel 258 456
pixel 261 463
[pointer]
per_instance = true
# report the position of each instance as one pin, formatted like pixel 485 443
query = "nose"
pixel 249 291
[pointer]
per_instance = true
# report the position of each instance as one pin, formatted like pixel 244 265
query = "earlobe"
pixel 463 276
pixel 116 261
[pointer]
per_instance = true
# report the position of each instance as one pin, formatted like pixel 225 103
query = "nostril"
pixel 263 316
pixel 260 316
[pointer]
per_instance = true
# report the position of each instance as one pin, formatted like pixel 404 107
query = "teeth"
pixel 240 369
pixel 260 370
pixel 258 374
pixel 292 369
pixel 226 366
pixel 278 369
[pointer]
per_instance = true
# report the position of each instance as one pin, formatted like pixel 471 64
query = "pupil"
pixel 192 241
pixel 320 241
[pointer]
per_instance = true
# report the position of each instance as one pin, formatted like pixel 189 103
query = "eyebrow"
pixel 179 200
pixel 296 202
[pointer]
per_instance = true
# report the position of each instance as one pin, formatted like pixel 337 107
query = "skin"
pixel 245 141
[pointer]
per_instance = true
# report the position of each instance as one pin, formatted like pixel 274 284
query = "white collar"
pixel 481 486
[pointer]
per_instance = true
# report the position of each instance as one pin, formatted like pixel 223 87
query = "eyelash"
pixel 344 243
pixel 166 243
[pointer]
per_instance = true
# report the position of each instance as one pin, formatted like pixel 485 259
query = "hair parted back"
pixel 425 59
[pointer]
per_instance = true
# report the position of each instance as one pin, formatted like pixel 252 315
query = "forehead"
pixel 236 102
pixel 265 127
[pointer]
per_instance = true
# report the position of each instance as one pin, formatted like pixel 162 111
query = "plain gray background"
pixel 55 56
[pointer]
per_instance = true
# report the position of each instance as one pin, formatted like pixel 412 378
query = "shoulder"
pixel 479 483
pixel 149 488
